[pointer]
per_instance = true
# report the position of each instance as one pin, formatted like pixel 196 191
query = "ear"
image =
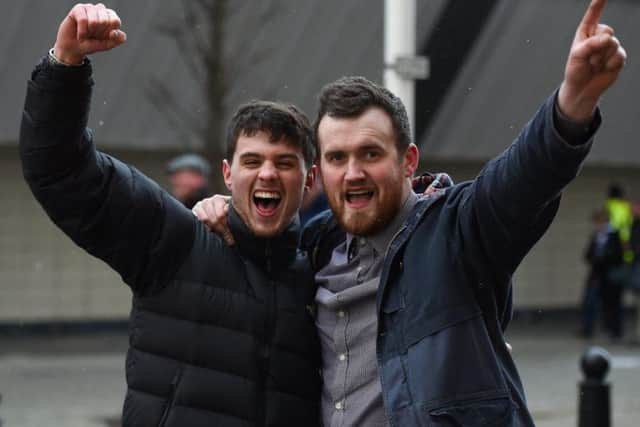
pixel 411 158
pixel 311 178
pixel 226 174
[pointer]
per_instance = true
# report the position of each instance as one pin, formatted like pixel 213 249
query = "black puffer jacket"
pixel 219 335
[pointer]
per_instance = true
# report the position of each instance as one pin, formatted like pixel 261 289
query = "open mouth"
pixel 266 202
pixel 358 198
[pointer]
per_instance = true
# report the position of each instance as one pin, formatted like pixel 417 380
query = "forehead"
pixel 260 144
pixel 372 126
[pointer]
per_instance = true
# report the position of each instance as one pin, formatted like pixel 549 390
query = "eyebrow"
pixel 284 156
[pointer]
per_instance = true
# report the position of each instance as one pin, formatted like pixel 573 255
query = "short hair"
pixel 351 96
pixel 280 120
pixel 615 191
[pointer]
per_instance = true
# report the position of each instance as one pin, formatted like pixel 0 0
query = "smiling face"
pixel 365 178
pixel 267 180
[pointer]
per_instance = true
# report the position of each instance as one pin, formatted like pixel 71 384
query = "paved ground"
pixel 79 381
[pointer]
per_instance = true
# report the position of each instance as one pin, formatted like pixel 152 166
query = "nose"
pixel 354 171
pixel 267 172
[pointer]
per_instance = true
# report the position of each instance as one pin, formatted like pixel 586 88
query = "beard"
pixel 367 222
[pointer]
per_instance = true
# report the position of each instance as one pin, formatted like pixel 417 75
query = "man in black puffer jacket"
pixel 219 335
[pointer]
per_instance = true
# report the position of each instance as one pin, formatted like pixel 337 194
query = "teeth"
pixel 267 195
pixel 358 193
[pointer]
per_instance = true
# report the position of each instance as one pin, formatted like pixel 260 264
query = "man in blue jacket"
pixel 414 294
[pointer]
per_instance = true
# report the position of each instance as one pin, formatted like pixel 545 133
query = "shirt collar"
pixel 381 240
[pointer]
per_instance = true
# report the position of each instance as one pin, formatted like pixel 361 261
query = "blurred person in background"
pixel 219 335
pixel 620 217
pixel 315 201
pixel 634 282
pixel 602 291
pixel 189 178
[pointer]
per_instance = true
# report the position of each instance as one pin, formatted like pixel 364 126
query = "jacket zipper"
pixel 265 350
pixel 172 397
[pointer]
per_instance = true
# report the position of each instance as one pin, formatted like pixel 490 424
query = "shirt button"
pixel 339 406
pixel 342 357
pixel 341 313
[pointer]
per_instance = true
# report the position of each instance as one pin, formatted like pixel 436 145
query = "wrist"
pixel 59 56
pixel 575 107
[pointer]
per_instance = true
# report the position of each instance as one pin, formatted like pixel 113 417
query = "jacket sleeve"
pixel 514 199
pixel 108 208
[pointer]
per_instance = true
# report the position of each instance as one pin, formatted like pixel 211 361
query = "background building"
pixel 492 64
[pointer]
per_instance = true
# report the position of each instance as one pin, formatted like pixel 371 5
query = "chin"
pixel 358 225
pixel 267 230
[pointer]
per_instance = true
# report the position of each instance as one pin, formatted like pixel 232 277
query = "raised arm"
pixel 514 199
pixel 108 208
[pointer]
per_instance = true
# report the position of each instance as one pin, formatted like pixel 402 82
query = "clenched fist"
pixel 85 30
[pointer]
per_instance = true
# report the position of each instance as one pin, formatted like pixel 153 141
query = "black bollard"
pixel 594 407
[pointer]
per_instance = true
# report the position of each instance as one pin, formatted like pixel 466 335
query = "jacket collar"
pixel 267 252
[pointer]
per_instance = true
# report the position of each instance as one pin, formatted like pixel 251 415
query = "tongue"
pixel 266 206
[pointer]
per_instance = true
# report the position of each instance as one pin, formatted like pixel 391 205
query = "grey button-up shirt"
pixel 347 324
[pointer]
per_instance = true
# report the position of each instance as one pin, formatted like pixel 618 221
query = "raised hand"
pixel 85 30
pixel 594 64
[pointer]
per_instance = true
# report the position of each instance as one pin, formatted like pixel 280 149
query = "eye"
pixel 251 163
pixel 335 157
pixel 285 165
pixel 371 155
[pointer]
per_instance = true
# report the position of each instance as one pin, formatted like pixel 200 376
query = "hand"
pixel 213 212
pixel 85 30
pixel 595 61
pixel 430 183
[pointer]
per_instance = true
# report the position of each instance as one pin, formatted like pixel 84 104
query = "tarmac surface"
pixel 78 380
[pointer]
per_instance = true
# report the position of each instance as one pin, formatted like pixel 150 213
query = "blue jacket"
pixel 444 298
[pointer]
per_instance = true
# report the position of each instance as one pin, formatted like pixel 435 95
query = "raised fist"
pixel 87 29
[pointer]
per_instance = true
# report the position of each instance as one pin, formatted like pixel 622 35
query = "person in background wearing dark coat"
pixel 219 335
pixel 189 178
pixel 604 254
pixel 634 282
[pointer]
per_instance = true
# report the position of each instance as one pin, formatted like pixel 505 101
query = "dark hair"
pixel 615 191
pixel 352 96
pixel 279 120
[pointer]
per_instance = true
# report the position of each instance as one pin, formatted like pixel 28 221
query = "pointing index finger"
pixel 591 17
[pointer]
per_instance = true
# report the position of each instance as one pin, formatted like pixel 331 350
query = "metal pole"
pixel 400 41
